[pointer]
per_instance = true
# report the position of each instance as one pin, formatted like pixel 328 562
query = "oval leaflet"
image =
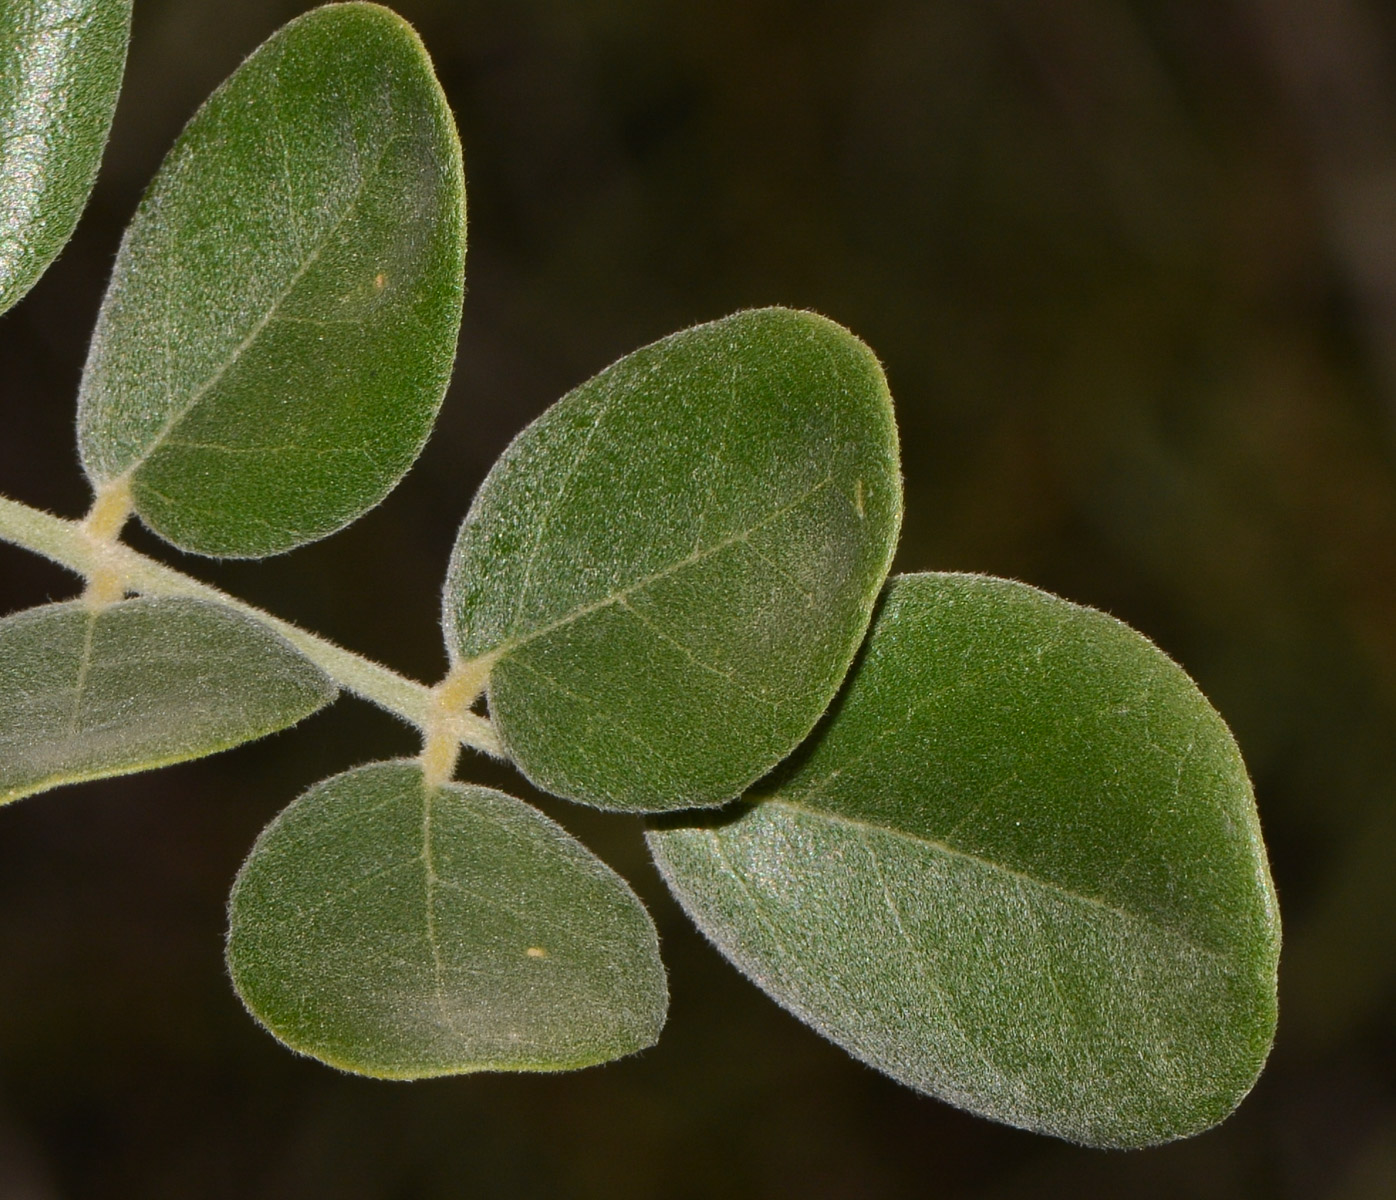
pixel 669 572
pixel 61 63
pixel 281 322
pixel 1018 868
pixel 400 930
pixel 86 693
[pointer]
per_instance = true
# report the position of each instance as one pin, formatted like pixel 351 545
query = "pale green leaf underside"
pixel 398 930
pixel 675 564
pixel 281 322
pixel 138 684
pixel 60 72
pixel 1019 868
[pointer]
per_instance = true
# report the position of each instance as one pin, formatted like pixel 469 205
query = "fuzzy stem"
pixel 72 544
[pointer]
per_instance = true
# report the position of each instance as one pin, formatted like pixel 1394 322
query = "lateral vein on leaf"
pixel 278 124
pixel 1030 912
pixel 820 788
pixel 923 970
pixel 216 448
pixel 720 853
pixel 595 714
pixel 342 894
pixel 780 570
pixel 1160 810
pixel 190 506
pixel 318 322
pixel 494 901
pixel 973 812
pixel 965 681
pixel 718 454
pixel 526 583
pixel 823 986
pixel 670 640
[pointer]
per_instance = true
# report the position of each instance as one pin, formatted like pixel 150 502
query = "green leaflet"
pixel 671 569
pixel 399 930
pixel 1019 868
pixel 139 684
pixel 60 73
pixel 281 322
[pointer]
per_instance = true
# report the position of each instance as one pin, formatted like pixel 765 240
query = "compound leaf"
pixel 670 571
pixel 1019 868
pixel 60 72
pixel 279 330
pixel 396 929
pixel 86 693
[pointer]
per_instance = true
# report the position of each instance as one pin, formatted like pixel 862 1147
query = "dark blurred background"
pixel 1131 267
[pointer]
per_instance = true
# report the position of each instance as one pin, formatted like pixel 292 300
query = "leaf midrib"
pixel 1019 876
pixel 621 595
pixel 203 389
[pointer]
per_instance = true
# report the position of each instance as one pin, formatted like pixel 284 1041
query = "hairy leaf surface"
pixel 400 930
pixel 1019 868
pixel 138 684
pixel 281 322
pixel 673 567
pixel 60 72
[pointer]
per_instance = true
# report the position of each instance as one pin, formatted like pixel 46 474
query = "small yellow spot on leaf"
pixel 536 952
pixel 380 281
pixel 858 498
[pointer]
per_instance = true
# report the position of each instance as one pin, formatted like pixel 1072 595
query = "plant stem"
pixel 71 544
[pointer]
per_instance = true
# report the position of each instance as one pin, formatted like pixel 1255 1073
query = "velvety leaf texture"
pixel 138 684
pixel 60 72
pixel 400 930
pixel 281 322
pixel 1018 868
pixel 673 567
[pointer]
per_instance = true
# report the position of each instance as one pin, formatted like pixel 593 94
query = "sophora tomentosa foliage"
pixel 992 843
